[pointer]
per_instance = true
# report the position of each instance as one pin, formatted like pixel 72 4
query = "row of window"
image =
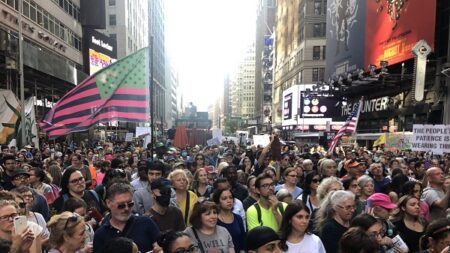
pixel 317 53
pixel 44 19
pixel 69 7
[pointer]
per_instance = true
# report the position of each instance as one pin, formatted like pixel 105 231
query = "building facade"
pixel 300 39
pixel 52 49
pixel 265 27
pixel 171 94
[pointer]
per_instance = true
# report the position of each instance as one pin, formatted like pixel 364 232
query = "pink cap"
pixel 380 199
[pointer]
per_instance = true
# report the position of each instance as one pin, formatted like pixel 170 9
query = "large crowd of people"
pixel 119 197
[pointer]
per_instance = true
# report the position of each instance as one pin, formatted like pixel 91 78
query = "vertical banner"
pixel 9 117
pixel 345 27
pixel 30 123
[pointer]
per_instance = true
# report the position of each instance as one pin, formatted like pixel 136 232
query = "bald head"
pixel 435 176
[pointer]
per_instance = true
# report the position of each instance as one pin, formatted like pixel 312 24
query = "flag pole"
pixel 21 74
pixel 152 109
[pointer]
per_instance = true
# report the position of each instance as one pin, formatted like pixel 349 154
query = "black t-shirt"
pixel 332 232
pixel 248 202
pixel 410 237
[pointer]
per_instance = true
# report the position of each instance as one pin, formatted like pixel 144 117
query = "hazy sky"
pixel 206 39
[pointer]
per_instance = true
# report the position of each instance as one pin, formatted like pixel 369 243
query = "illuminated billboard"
pixel 363 33
pixel 394 27
pixel 101 51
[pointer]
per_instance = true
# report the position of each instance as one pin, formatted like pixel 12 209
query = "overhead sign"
pixel 431 138
pixel 102 50
pixel 318 107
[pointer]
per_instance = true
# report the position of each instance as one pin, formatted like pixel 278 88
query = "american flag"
pixel 348 127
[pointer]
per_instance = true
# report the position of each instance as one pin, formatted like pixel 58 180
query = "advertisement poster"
pixel 394 27
pixel 287 107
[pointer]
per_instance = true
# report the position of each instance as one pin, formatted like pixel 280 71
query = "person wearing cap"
pixel 436 195
pixel 380 206
pixel 166 216
pixel 263 240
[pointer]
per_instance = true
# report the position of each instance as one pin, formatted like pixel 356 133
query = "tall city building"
pixel 127 23
pixel 299 47
pixel 52 49
pixel 171 93
pixel 265 26
pixel 242 93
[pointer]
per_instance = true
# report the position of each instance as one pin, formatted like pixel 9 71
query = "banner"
pixel 262 140
pixel 129 137
pixel 213 141
pixel 431 138
pixel 30 123
pixel 143 131
pixel 9 117
pixel 398 141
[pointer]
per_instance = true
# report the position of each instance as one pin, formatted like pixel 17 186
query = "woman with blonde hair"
pixel 67 233
pixel 200 184
pixel 185 198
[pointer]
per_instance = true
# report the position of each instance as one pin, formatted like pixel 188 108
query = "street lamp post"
pixel 21 75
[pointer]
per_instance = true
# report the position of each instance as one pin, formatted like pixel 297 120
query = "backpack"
pixel 53 195
pixel 258 211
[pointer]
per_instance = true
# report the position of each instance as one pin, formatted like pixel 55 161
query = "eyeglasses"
pixel 124 205
pixel 72 218
pixel 315 180
pixel 265 186
pixel 21 177
pixel 27 196
pixel 9 217
pixel 347 208
pixel 77 180
pixel 191 249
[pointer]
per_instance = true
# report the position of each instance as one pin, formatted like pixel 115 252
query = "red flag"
pixel 117 92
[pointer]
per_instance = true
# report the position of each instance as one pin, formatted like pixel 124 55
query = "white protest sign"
pixel 431 138
pixel 262 140
pixel 129 137
pixel 217 132
pixel 143 131
pixel 213 141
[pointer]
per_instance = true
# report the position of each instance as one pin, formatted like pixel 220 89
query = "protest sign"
pixel 213 141
pixel 431 138
pixel 262 140
pixel 217 132
pixel 142 131
pixel 129 137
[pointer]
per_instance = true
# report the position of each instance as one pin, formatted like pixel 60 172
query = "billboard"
pixel 394 27
pixel 345 27
pixel 101 50
pixel 287 106
pixel 318 107
pixel 387 30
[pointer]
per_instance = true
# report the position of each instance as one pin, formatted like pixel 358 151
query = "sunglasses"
pixel 72 218
pixel 124 205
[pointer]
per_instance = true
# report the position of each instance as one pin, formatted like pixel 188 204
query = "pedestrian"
pixel 263 240
pixel 333 218
pixel 357 240
pixel 121 223
pixel 185 199
pixel 295 237
pixel 176 242
pixel 436 237
pixel 205 231
pixel 66 233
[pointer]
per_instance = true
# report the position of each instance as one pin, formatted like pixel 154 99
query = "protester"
pixel 436 237
pixel 176 241
pixel 166 217
pixel 309 195
pixel 142 230
pixel 200 184
pixel 226 218
pixel 142 198
pixel 205 231
pixel 356 240
pixel 290 183
pixel 263 240
pixel 185 198
pixel 435 195
pixel 333 218
pixel 252 195
pixel 295 237
pixel 77 163
pixel 66 233
pixel 121 245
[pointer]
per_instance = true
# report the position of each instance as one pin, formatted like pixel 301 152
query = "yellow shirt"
pixel 182 205
pixel 267 217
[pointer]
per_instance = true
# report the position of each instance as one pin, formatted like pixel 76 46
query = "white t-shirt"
pixel 310 243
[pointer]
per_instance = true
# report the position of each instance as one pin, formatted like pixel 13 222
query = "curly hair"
pixel 325 185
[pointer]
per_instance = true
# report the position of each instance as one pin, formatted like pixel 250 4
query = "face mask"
pixel 163 200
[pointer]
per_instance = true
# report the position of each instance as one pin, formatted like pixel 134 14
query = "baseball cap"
pixel 351 164
pixel 380 199
pixel 160 183
pixel 260 236
pixel 19 172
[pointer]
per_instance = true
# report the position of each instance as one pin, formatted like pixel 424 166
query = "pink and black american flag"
pixel 119 92
pixel 348 127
